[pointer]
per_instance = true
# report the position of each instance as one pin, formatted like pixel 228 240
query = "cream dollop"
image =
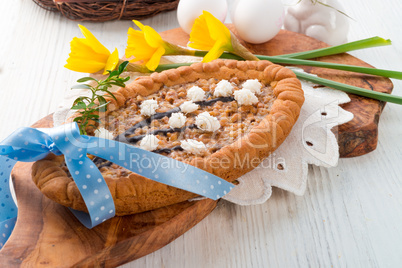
pixel 196 94
pixel 245 97
pixel 148 107
pixel 193 146
pixel 253 85
pixel 149 142
pixel 177 120
pixel 189 107
pixel 207 122
pixel 103 133
pixel 223 89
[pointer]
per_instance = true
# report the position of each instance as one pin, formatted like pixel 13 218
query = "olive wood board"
pixel 48 235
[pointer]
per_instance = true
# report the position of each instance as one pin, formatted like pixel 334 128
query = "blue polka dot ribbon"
pixel 29 144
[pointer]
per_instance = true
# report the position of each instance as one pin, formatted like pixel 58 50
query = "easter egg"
pixel 258 21
pixel 189 10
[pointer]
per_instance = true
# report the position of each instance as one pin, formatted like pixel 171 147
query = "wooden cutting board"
pixel 48 235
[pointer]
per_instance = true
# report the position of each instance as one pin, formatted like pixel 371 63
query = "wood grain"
pixel 355 138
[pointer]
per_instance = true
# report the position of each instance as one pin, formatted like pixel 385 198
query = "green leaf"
pixel 82 98
pixel 375 41
pixel 84 86
pixel 103 87
pixel 329 65
pixel 350 89
pixel 79 105
pixel 122 67
pixel 101 100
pixel 91 104
pixel 113 73
pixel 110 94
pixel 85 79
pixel 125 79
pixel 94 117
pixel 103 106
pixel 117 83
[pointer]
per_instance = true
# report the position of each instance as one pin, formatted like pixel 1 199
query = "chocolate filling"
pixel 146 122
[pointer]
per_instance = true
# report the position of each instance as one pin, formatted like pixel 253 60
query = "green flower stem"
pixel 299 58
pixel 164 67
pixel 329 65
pixel 355 45
pixel 375 41
pixel 344 67
pixel 350 89
pixel 132 67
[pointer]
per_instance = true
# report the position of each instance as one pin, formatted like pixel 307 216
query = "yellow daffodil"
pixel 209 33
pixel 88 55
pixel 148 46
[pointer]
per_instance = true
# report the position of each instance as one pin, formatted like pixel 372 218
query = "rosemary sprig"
pixel 90 107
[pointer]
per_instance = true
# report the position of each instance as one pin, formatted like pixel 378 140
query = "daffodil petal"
pixel 153 62
pixel 86 66
pixel 137 46
pixel 216 28
pixel 199 36
pixel 214 53
pixel 93 42
pixel 139 24
pixel 81 51
pixel 112 61
pixel 135 33
pixel 152 37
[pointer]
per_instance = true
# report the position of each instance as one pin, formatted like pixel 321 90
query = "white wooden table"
pixel 350 215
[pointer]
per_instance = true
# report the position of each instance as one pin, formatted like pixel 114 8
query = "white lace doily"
pixel 311 141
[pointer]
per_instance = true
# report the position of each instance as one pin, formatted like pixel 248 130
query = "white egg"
pixel 258 21
pixel 189 10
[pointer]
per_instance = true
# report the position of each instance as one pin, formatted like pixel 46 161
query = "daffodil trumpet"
pixel 210 34
pixel 88 55
pixel 147 45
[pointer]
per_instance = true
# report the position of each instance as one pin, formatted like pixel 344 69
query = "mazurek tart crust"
pixel 247 127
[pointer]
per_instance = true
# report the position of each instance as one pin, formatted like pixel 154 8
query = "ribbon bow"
pixel 30 144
